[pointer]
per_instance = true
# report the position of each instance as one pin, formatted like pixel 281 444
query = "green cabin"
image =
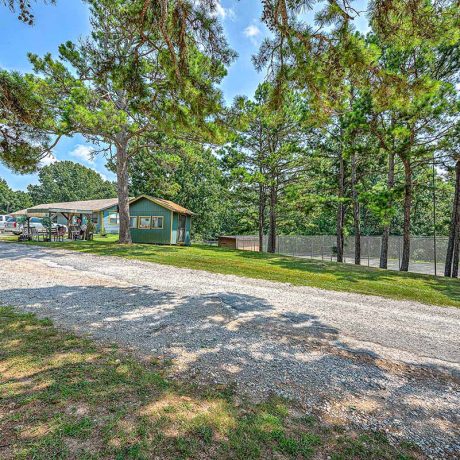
pixel 158 221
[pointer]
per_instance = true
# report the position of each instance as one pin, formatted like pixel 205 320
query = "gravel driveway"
pixel 377 363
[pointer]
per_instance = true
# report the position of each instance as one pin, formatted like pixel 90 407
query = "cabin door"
pixel 181 229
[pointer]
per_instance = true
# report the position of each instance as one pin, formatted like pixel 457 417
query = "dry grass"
pixel 64 397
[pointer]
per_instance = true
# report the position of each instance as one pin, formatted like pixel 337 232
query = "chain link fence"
pixel 324 247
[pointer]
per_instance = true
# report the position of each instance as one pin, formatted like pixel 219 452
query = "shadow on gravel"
pixel 10 251
pixel 230 338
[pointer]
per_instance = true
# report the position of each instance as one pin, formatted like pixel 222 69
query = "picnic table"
pixel 32 234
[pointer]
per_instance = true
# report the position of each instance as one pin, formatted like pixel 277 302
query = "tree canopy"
pixel 146 69
pixel 11 200
pixel 69 181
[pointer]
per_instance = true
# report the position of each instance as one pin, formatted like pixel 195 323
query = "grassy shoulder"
pixel 63 396
pixel 302 272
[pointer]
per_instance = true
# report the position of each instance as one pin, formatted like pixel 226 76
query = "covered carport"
pixel 25 216
pixel 81 210
pixel 68 212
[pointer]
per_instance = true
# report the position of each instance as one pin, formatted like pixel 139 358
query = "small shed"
pixel 228 242
pixel 242 242
pixel 154 220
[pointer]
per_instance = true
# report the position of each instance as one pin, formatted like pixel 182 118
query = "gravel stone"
pixel 374 363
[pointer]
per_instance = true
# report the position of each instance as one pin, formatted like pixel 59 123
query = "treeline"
pixel 58 182
pixel 288 176
pixel 367 124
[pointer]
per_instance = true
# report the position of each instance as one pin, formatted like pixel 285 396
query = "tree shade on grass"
pixel 65 397
pixel 301 272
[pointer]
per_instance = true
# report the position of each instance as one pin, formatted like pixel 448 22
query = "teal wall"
pixel 144 207
pixel 188 228
pixel 174 228
pixel 108 227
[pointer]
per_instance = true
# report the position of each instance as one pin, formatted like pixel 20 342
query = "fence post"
pixel 368 251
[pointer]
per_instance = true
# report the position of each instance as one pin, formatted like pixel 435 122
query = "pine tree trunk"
pixel 456 257
pixel 407 214
pixel 454 232
pixel 272 224
pixel 387 227
pixel 123 191
pixel 340 208
pixel 261 217
pixel 356 213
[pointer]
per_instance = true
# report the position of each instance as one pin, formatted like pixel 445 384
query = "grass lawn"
pixel 303 272
pixel 62 396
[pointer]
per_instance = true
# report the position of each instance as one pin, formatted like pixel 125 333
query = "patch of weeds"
pixel 77 428
pixel 275 406
pixel 369 446
pixel 186 446
pixel 49 447
pixel 204 432
pixel 304 446
pixel 309 420
pixel 133 451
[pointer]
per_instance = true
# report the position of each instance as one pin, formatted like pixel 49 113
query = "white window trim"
pixel 117 218
pixel 162 223
pixel 136 225
pixel 139 222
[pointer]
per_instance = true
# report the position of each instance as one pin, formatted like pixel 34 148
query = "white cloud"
pixel 83 153
pixel 224 13
pixel 48 160
pixel 252 32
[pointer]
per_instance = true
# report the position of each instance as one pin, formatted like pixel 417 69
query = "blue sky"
pixel 69 20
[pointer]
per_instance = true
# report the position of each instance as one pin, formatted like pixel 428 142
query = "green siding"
pixel 144 207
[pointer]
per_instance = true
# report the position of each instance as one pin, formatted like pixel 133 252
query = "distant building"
pixel 152 220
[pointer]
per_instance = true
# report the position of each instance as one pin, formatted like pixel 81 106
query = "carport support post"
pixel 49 222
pixel 101 227
pixel 69 223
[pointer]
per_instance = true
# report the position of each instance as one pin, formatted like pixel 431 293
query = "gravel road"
pixel 377 363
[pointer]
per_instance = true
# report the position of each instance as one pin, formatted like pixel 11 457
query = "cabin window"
pixel 113 218
pixel 133 222
pixel 157 222
pixel 144 222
